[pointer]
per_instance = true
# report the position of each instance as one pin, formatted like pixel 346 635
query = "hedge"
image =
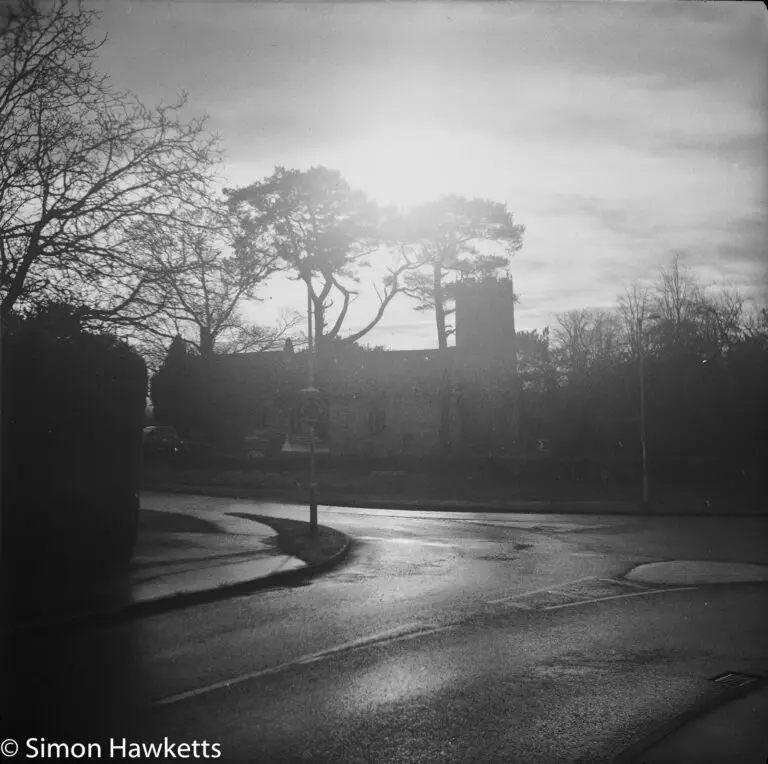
pixel 72 415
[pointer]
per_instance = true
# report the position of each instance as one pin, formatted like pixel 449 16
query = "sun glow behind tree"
pixel 406 164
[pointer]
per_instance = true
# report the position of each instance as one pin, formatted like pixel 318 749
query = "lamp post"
pixel 641 359
pixel 312 407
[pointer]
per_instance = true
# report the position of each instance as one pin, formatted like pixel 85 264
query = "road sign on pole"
pixel 312 408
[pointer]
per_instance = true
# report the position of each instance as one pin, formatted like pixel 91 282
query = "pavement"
pixel 734 732
pixel 173 566
pixel 170 569
pixel 731 727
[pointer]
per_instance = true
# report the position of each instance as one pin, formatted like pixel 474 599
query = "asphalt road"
pixel 444 637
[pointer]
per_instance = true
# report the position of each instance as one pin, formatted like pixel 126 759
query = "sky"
pixel 619 134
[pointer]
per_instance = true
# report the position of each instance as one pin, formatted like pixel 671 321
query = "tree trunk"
pixel 437 284
pixel 17 284
pixel 442 344
pixel 319 326
pixel 206 342
pixel 209 415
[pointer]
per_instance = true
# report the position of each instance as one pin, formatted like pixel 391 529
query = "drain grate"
pixel 734 679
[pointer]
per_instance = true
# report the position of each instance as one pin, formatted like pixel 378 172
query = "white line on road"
pixel 540 591
pixel 623 582
pixel 519 606
pixel 402 540
pixel 619 597
pixel 408 631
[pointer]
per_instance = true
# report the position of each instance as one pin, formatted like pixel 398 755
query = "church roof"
pixel 378 372
pixel 373 372
pixel 352 372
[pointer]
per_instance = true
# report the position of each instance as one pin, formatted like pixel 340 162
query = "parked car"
pixel 164 442
pixel 161 441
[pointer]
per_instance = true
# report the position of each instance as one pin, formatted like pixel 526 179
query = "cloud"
pixel 741 148
pixel 752 228
pixel 616 132
pixel 615 218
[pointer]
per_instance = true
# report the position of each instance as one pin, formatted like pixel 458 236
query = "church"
pixel 382 404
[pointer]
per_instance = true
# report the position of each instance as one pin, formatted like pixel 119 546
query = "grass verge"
pixel 294 538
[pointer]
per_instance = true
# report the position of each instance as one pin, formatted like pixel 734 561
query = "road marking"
pixel 401 633
pixel 405 540
pixel 618 597
pixel 623 582
pixel 540 591
pixel 519 606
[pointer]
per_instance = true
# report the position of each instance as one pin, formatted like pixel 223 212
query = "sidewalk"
pixel 730 726
pixel 180 558
pixel 731 732
pixel 170 565
pixel 735 732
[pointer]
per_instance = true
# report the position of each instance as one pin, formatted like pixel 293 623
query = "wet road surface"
pixel 443 637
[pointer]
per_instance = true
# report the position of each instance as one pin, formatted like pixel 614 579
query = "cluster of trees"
pixel 107 204
pixel 324 234
pixel 112 207
pixel 314 227
pixel 704 355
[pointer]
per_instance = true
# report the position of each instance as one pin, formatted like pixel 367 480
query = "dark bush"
pixel 72 413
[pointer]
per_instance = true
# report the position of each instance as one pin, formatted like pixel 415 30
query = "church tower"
pixel 486 379
pixel 485 323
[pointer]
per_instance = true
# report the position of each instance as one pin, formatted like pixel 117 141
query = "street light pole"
pixel 311 395
pixel 311 391
pixel 641 359
pixel 642 410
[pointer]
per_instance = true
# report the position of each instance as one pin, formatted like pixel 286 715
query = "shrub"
pixel 73 405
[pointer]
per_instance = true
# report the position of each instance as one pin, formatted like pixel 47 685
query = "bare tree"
pixel 207 274
pixel 80 164
pixel 756 323
pixel 586 340
pixel 677 294
pixel 571 337
pixel 678 300
pixel 605 338
pixel 634 307
pixel 723 317
pixel 245 337
pixel 534 361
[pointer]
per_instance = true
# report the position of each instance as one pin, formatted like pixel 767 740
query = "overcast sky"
pixel 617 133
